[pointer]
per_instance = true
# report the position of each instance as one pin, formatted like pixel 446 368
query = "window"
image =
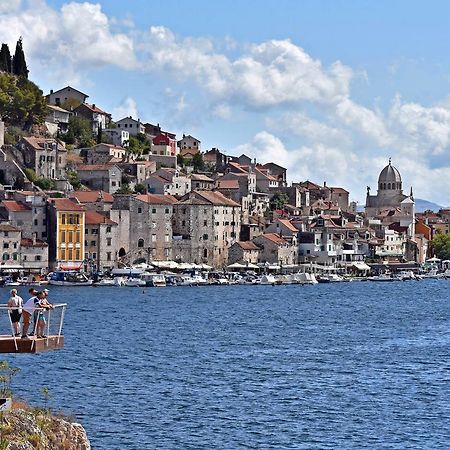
pixel 166 238
pixel 70 236
pixel 183 223
pixel 108 229
pixel 62 254
pixel 93 243
pixel 6 234
pixel 70 254
pixel 35 222
pixel 77 236
pixel 37 258
pixel 205 223
pixel 108 241
pixel 153 210
pixel 24 257
pixel 108 256
pixel 5 245
pixel 94 255
pixel 94 231
pixel 113 183
pixel 139 210
pixel 141 243
pixel 205 237
pixel 205 253
pixel 153 237
pixel 77 254
pixel 15 256
pixel 167 211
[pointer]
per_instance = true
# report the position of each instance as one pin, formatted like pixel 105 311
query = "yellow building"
pixel 66 237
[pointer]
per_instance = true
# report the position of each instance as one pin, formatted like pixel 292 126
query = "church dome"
pixel 390 178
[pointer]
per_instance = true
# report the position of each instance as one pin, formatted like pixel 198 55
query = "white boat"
pixel 383 277
pixel 69 278
pixel 330 278
pixel 106 282
pixel 153 279
pixel 305 278
pixel 268 279
pixel 134 282
pixel 434 274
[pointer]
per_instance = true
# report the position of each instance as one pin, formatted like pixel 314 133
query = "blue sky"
pixel 330 89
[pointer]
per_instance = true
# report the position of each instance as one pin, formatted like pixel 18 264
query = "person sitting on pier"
pixel 15 302
pixel 42 304
pixel 28 309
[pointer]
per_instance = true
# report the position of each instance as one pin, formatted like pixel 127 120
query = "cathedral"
pixel 390 197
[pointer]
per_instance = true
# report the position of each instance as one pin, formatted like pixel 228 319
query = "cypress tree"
pixel 19 64
pixel 5 59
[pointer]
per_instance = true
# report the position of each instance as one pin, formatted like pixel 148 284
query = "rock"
pixel 37 429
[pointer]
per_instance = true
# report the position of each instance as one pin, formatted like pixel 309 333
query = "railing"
pixel 60 306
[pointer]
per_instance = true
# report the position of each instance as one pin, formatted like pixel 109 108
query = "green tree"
pixel 180 160
pixel 19 65
pixel 441 245
pixel 124 189
pixel 139 188
pixel 137 145
pixel 5 59
pixel 72 176
pixel 278 200
pixel 99 134
pixel 21 101
pixel 197 162
pixel 79 132
pixel 47 184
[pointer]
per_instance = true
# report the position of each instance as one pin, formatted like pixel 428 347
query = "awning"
pixel 361 266
pixel 10 268
pixel 71 266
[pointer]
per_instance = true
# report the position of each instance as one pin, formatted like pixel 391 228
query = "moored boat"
pixel 69 278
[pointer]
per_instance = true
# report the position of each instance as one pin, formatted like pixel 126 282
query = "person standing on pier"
pixel 28 310
pixel 15 302
pixel 41 304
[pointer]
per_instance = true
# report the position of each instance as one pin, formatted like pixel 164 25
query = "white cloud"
pixel 127 108
pixel 9 5
pixel 69 41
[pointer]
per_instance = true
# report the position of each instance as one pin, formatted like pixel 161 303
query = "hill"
pixel 424 205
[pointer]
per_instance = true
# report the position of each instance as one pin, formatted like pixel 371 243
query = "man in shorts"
pixel 27 312
pixel 15 302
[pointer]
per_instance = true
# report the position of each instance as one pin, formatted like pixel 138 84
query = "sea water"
pixel 332 366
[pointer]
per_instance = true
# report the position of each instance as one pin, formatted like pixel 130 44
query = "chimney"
pixel 93 105
pixel 51 91
pixel 324 184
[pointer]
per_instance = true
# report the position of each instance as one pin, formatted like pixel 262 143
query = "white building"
pixel 118 136
pixel 131 125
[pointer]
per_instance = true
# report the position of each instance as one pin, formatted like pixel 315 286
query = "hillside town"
pixel 131 191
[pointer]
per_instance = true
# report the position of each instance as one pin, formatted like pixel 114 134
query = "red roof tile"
pixel 13 206
pixel 247 245
pixel 157 199
pixel 95 218
pixel 65 204
pixel 92 196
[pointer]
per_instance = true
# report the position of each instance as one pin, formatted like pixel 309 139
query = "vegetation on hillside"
pixel 441 245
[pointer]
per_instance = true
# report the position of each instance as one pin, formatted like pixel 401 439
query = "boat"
pixel 9 281
pixel 330 278
pixel 383 277
pixel 268 279
pixel 134 282
pixel 106 282
pixel 153 279
pixel 305 278
pixel 69 278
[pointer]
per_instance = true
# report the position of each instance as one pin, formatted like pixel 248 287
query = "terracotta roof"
pixel 95 218
pixel 92 167
pixel 227 184
pixel 237 166
pixel 7 227
pixel 288 225
pixel 65 204
pixel 216 198
pixel 94 108
pixel 38 143
pixel 92 196
pixel 13 206
pixel 275 238
pixel 247 245
pixel 57 108
pixel 200 177
pixel 27 242
pixel 157 199
pixel 103 144
pixel 339 190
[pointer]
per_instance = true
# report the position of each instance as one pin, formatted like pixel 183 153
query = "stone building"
pixel 390 193
pixel 47 157
pixel 275 250
pixel 102 177
pixel 10 238
pixel 96 117
pixel 100 242
pixel 205 225
pixel 145 226
pixel 99 201
pixel 243 252
pixel 168 181
pixel 34 255
pixel 66 95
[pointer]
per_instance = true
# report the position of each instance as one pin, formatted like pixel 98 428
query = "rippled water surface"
pixel 350 365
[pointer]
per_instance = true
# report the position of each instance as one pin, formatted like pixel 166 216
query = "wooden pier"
pixel 30 345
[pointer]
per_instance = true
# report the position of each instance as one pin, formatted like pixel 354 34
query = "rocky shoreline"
pixel 28 429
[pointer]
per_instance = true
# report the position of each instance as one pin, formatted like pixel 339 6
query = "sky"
pixel 328 89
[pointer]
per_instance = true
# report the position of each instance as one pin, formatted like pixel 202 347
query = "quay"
pixel 10 344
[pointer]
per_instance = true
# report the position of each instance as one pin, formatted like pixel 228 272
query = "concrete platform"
pixel 31 345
